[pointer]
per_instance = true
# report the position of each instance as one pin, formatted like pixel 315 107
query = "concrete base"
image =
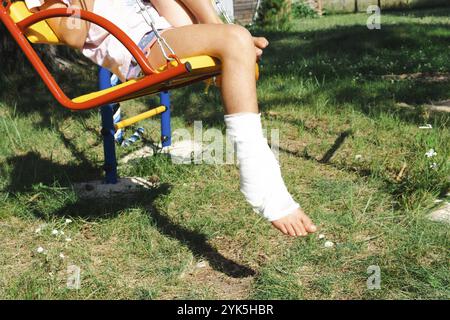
pixel 125 187
pixel 180 152
pixel 442 214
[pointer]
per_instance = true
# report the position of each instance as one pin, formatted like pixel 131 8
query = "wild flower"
pixel 431 153
pixel 329 244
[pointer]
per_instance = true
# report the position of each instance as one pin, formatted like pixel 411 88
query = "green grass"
pixel 322 86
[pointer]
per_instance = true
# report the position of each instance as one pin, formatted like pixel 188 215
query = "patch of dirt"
pixel 201 274
pixel 223 286
pixel 441 106
pixel 419 76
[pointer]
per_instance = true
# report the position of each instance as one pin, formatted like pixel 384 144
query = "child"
pixel 261 181
pixel 178 15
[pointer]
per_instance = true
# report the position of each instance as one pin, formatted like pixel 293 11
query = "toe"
pixel 280 227
pixel 291 230
pixel 301 228
pixel 308 224
pixel 298 229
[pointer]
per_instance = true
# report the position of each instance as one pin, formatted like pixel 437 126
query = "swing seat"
pixel 201 68
pixel 37 33
pixel 27 27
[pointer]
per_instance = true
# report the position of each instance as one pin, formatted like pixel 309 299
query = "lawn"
pixel 350 153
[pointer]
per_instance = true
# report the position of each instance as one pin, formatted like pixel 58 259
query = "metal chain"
pixel 143 10
pixel 223 11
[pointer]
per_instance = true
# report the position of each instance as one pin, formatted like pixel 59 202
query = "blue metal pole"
pixel 109 148
pixel 166 130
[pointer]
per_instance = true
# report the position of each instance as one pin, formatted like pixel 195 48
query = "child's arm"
pixel 72 31
pixel 203 10
pixel 174 12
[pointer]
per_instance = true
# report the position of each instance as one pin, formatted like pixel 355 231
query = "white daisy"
pixel 431 153
pixel 329 244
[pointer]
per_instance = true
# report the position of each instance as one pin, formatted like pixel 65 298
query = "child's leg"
pixel 261 180
pixel 233 45
pixel 178 15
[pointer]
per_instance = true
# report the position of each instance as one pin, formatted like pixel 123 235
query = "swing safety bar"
pixel 142 116
pixel 96 99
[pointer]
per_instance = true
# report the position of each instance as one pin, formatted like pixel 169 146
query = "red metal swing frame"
pixel 166 78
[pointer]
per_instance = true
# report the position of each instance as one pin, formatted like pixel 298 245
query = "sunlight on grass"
pixel 353 158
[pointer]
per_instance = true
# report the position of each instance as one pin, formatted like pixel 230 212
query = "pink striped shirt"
pixel 104 49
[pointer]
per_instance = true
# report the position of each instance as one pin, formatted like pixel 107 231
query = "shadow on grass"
pixel 346 61
pixel 22 88
pixel 335 147
pixel 400 190
pixel 345 65
pixel 325 159
pixel 349 60
pixel 30 169
pixel 438 11
pixel 199 246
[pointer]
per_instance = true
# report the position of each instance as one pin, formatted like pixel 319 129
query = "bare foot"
pixel 296 224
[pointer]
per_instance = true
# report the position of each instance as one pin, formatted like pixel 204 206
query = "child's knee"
pixel 238 39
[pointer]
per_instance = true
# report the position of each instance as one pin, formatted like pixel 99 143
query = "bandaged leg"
pixel 260 175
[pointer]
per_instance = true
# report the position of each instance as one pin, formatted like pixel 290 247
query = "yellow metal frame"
pixel 198 63
pixel 142 116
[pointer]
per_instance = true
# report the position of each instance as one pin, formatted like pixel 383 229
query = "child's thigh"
pixel 204 39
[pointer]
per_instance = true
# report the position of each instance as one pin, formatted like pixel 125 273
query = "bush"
pixel 300 9
pixel 275 15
